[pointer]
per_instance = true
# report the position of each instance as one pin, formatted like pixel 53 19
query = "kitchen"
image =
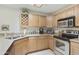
pixel 27 29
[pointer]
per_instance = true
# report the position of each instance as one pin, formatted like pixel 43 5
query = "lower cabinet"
pixel 51 43
pixel 74 48
pixel 42 43
pixel 32 44
pixel 37 43
pixel 19 47
pixel 26 45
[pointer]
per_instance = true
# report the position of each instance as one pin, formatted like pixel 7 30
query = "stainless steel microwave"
pixel 67 22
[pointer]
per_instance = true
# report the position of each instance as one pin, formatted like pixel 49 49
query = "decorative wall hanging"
pixel 5 27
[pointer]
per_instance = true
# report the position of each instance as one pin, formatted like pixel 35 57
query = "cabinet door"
pixel 51 42
pixel 77 20
pixel 33 20
pixel 21 47
pixel 42 43
pixel 74 48
pixel 42 21
pixel 55 21
pixel 63 14
pixel 32 44
pixel 76 13
pixel 70 12
pixel 12 50
pixel 49 21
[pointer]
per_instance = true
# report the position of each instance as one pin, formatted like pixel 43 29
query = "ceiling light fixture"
pixel 37 5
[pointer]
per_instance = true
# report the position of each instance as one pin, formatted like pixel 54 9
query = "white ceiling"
pixel 48 8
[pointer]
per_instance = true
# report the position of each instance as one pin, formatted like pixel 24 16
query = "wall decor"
pixel 5 27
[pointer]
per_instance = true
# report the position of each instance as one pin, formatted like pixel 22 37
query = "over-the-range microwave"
pixel 66 22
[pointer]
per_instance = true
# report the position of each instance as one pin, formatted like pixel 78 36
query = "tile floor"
pixel 44 52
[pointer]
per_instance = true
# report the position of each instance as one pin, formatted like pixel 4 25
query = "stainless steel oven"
pixel 61 47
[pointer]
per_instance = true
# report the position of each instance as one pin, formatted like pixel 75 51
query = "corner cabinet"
pixel 19 47
pixel 49 21
pixel 42 21
pixel 55 21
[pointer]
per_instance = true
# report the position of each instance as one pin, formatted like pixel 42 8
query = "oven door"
pixel 62 46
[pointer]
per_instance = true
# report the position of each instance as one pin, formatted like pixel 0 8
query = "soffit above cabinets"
pixel 46 8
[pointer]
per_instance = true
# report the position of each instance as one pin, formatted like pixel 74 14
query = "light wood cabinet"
pixel 49 21
pixel 51 43
pixel 32 44
pixel 37 43
pixel 73 11
pixel 62 14
pixel 19 47
pixel 42 21
pixel 37 20
pixel 11 50
pixel 55 21
pixel 76 13
pixel 42 43
pixel 74 48
pixel 69 12
pixel 26 45
pixel 33 20
pixel 77 20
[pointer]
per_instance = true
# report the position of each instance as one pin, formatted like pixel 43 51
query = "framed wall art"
pixel 5 27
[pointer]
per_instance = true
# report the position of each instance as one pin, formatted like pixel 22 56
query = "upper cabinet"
pixel 49 21
pixel 42 21
pixel 33 20
pixel 76 13
pixel 55 21
pixel 73 11
pixel 70 12
pixel 37 20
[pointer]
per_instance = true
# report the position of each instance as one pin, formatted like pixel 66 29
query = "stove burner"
pixel 66 37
